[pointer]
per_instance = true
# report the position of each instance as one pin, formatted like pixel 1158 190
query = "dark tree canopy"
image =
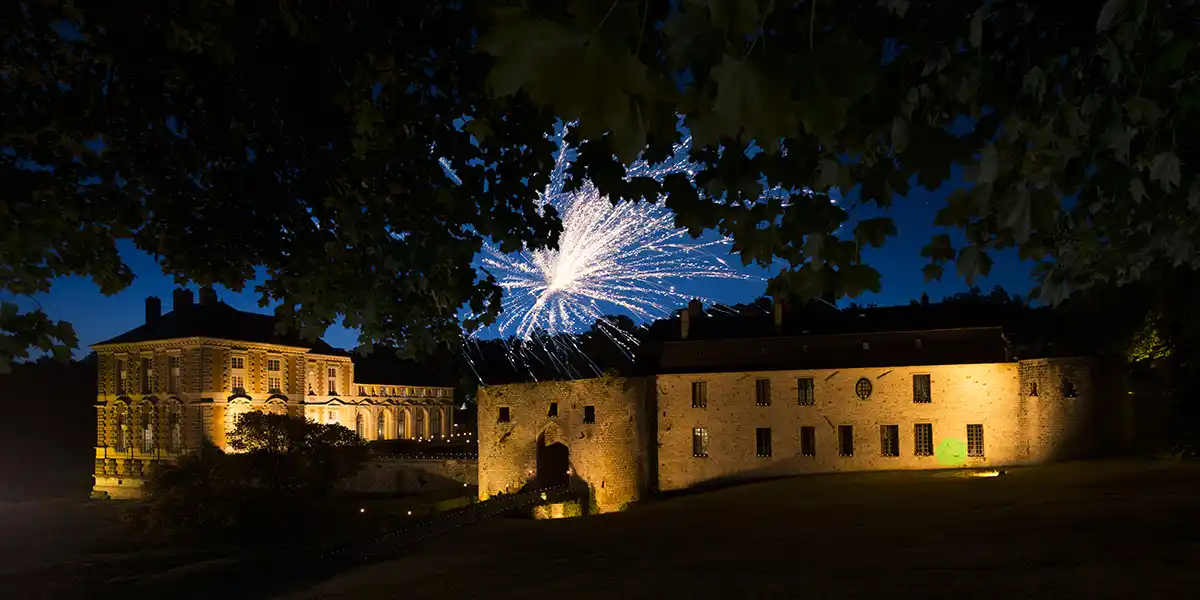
pixel 303 137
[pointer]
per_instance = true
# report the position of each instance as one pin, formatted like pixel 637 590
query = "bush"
pixel 279 477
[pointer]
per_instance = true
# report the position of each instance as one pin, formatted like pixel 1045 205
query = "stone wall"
pixel 402 476
pixel 1067 418
pixel 986 394
pixel 612 456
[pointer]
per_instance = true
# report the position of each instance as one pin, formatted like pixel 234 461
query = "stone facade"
pixel 610 456
pixel 160 398
pixel 751 423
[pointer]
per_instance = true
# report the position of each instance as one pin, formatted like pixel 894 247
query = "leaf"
pixel 853 280
pixel 814 243
pixel 973 262
pixel 899 135
pixel 1165 169
pixel 521 46
pixel 988 164
pixel 750 101
pixel 1142 110
pixel 827 173
pixel 1015 215
pixel 1137 189
pixel 976 35
pixel 8 312
pixel 874 232
pixel 1108 12
pixel 1175 55
pixel 479 128
pixel 932 273
pixel 939 249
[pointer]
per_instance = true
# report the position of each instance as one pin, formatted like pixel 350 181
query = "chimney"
pixel 208 296
pixel 182 300
pixel 693 311
pixel 153 310
pixel 778 309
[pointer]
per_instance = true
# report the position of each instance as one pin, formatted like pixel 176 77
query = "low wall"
pixel 402 476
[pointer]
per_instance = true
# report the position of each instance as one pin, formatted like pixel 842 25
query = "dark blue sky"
pixel 97 317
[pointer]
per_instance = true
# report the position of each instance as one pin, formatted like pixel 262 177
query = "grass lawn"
pixel 1077 530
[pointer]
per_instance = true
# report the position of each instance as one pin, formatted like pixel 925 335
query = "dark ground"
pixel 1080 530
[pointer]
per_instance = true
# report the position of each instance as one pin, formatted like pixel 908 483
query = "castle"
pixel 792 401
pixel 180 380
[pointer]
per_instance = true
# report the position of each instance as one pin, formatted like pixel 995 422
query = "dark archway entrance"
pixel 553 462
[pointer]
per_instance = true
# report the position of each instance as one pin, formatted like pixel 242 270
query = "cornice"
pixel 207 341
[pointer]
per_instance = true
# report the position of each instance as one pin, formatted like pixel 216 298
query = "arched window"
pixel 174 427
pixel 122 441
pixel 419 424
pixel 146 427
pixel 359 427
pixel 400 423
pixel 379 435
pixel 435 422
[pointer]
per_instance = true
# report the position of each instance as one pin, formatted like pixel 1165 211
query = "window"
pixel 238 383
pixel 866 345
pixel 148 376
pixel 401 417
pixel 762 392
pixel 923 439
pixel 122 377
pixel 1068 389
pixel 589 414
pixel 360 426
pixel 700 442
pixel 845 440
pixel 1033 388
pixel 922 389
pixel 435 422
pixel 889 440
pixel 419 424
pixel 273 364
pixel 122 441
pixel 331 418
pixel 238 362
pixel 863 388
pixel 975 440
pixel 174 427
pixel 146 427
pixel 917 344
pixel 699 394
pixel 332 381
pixel 274 385
pixel 553 412
pixel 173 374
pixel 804 391
pixel 762 441
pixel 808 441
pixel 504 416
pixel 379 424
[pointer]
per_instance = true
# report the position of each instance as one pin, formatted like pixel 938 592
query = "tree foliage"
pixel 1072 123
pixel 284 469
pixel 304 138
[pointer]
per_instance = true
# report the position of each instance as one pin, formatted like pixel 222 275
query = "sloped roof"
pixel 219 320
pixel 383 367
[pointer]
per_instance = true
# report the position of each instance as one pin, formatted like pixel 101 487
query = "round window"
pixel 863 388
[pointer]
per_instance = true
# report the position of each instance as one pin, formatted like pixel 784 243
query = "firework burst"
pixel 628 257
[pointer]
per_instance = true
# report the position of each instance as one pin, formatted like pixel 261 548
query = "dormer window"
pixel 866 345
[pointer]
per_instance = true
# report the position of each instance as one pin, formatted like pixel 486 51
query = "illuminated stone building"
pixel 179 381
pixel 799 401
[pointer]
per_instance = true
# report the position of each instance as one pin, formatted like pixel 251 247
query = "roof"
pixel 383 367
pixel 221 321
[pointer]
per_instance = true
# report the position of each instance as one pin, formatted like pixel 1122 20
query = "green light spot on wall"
pixel 951 452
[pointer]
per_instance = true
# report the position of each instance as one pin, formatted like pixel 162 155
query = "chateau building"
pixel 799 401
pixel 180 380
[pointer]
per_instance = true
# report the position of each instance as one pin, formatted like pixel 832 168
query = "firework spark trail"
pixel 627 256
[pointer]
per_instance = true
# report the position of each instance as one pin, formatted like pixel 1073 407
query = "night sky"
pixel 97 317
